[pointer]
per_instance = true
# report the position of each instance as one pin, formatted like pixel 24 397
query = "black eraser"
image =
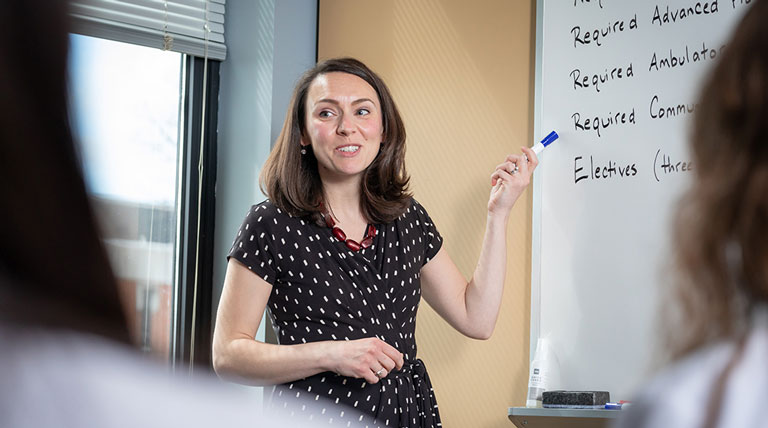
pixel 575 399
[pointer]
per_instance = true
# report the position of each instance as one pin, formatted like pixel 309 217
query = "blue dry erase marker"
pixel 538 147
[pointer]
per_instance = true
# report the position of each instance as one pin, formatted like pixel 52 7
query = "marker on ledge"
pixel 539 147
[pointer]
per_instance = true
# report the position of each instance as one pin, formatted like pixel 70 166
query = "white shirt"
pixel 679 395
pixel 67 379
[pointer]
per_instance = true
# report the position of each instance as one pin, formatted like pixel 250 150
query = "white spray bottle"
pixel 544 374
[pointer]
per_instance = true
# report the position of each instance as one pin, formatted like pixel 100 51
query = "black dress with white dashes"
pixel 321 290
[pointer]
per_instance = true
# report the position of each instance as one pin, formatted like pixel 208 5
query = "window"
pixel 127 104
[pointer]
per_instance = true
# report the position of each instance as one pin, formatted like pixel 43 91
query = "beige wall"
pixel 462 75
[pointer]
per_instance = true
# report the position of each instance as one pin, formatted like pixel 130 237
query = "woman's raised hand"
pixel 371 358
pixel 510 179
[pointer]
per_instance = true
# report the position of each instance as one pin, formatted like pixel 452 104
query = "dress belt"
pixel 423 405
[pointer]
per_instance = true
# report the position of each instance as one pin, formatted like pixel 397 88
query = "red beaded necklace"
pixel 341 236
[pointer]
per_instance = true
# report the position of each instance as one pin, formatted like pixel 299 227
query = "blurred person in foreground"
pixel 65 353
pixel 719 314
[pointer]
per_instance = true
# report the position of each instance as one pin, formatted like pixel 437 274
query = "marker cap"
pixel 549 138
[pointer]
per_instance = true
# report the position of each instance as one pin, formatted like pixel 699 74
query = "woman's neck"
pixel 342 198
pixel 343 201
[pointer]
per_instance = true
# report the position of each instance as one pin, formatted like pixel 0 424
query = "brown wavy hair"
pixel 722 223
pixel 291 180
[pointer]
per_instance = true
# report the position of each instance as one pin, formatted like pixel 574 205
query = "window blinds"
pixel 185 26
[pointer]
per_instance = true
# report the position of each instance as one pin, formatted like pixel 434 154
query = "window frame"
pixel 193 292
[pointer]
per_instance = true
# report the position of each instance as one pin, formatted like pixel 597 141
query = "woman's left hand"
pixel 510 179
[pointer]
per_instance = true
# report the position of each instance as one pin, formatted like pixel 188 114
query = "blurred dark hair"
pixel 291 180
pixel 722 225
pixel 54 271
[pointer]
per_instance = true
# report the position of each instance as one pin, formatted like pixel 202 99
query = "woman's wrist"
pixel 322 354
pixel 498 219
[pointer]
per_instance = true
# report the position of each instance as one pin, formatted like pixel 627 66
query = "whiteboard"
pixel 618 80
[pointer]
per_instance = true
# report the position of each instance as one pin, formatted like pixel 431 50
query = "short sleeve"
pixel 432 239
pixel 253 246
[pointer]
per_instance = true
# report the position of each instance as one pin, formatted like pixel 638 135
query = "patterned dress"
pixel 321 290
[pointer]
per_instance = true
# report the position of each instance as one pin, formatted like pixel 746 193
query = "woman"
pixel 341 254
pixel 721 334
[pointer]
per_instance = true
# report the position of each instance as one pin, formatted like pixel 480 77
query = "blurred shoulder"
pixel 677 396
pixel 88 381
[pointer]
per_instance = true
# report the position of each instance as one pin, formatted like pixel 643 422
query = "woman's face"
pixel 343 125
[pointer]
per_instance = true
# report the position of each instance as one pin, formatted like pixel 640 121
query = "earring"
pixel 303 151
